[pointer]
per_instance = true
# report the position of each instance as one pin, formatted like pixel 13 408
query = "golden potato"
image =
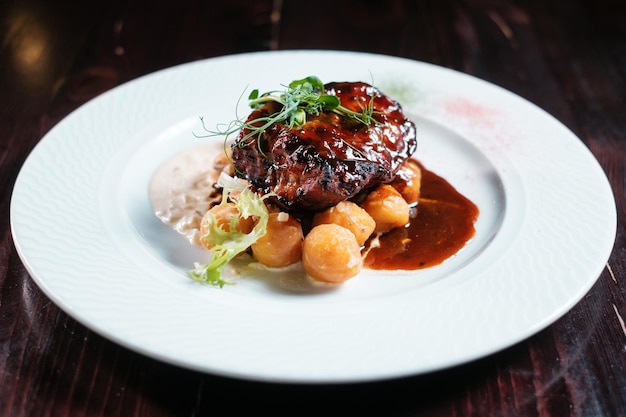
pixel 331 254
pixel 387 207
pixel 282 244
pixel 350 216
pixel 409 181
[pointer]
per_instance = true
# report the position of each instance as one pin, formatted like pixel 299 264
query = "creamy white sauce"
pixel 182 189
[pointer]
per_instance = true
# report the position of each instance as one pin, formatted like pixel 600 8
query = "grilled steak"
pixel 331 157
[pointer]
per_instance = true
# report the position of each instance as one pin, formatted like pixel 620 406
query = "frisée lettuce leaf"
pixel 227 243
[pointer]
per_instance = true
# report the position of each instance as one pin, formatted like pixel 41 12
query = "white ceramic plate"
pixel 84 228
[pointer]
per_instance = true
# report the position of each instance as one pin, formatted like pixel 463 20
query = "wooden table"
pixel 566 56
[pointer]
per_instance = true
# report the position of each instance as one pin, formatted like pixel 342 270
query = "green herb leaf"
pixel 312 80
pixel 329 102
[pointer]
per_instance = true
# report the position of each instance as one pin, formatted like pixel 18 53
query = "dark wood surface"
pixel 567 56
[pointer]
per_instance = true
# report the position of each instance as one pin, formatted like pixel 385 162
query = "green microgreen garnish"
pixel 301 98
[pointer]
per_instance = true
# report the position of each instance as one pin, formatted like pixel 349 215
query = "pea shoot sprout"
pixel 301 98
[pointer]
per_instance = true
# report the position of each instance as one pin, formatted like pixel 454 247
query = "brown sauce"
pixel 441 224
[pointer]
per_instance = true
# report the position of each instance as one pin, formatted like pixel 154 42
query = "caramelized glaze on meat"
pixel 330 158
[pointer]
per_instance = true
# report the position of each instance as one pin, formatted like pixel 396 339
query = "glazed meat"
pixel 331 157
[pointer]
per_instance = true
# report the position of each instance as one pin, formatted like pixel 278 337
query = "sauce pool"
pixel 441 224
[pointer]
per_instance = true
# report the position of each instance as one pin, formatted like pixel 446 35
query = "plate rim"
pixel 166 356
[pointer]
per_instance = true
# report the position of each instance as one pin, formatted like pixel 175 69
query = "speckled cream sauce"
pixel 182 189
